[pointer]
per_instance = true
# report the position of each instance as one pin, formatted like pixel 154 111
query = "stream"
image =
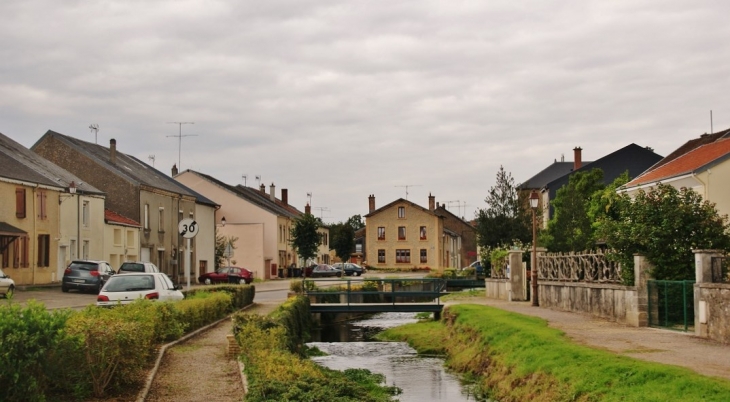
pixel 421 378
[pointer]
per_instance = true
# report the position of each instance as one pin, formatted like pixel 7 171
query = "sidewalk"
pixel 657 345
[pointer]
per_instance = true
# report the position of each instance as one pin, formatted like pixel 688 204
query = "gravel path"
pixel 200 370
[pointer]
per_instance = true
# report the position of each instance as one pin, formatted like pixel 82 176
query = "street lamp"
pixel 223 221
pixel 534 198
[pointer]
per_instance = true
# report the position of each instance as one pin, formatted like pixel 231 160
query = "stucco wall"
pixel 497 288
pixel 613 302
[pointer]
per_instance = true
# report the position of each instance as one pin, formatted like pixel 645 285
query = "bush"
pixel 29 336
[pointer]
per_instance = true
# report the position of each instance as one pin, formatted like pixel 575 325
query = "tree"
pixel 356 222
pixel 342 239
pixel 664 225
pixel 304 236
pixel 571 228
pixel 506 219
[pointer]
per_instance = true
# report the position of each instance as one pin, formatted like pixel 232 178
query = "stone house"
pixel 48 216
pixel 701 164
pixel 139 192
pixel 404 234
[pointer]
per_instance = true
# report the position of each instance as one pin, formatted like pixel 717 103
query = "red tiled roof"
pixel 113 217
pixel 685 164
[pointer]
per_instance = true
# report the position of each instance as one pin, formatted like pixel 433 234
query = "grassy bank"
pixel 516 358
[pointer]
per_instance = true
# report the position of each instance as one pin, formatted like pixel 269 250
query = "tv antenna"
pixel 258 180
pixel 180 137
pixel 243 176
pixel 95 129
pixel 321 209
pixel 309 196
pixel 409 185
pixel 152 159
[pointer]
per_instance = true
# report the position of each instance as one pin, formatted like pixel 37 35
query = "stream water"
pixel 349 345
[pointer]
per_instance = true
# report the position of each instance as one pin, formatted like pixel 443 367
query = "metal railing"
pixel 375 292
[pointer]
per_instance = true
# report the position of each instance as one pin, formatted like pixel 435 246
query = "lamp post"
pixel 534 198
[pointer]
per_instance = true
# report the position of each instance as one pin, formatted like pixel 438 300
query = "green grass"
pixel 521 358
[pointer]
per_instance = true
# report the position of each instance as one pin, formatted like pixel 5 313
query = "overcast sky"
pixel 343 99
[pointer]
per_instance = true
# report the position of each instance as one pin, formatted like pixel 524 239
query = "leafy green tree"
pixel 342 239
pixel 571 228
pixel 304 236
pixel 506 218
pixel 664 225
pixel 356 222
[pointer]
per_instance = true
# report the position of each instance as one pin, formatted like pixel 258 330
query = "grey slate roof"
pixel 550 173
pixel 129 167
pixel 19 163
pixel 251 195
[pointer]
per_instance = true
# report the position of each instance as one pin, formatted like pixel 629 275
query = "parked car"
pixel 477 266
pixel 227 275
pixel 127 267
pixel 124 289
pixel 7 285
pixel 350 268
pixel 86 275
pixel 323 271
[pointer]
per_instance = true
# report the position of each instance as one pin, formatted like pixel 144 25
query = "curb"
pixel 151 376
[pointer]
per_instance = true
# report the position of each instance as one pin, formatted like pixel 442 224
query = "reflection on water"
pixel 420 378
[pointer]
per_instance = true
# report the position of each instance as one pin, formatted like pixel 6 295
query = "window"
pixel 42 206
pixel 192 216
pixel 73 248
pixel 180 215
pixel 20 203
pixel 381 233
pixel 424 256
pixel 85 250
pixel 422 231
pixel 402 256
pixel 161 220
pixel 203 266
pixel 117 236
pixel 85 214
pixel 146 216
pixel 401 232
pixel 381 256
pixel 44 247
pixel 401 212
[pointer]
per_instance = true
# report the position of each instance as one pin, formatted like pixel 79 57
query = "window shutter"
pixel 20 203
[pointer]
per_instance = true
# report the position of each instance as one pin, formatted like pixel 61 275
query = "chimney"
pixel 113 150
pixel 262 188
pixel 308 210
pixel 285 196
pixel 577 163
pixel 371 203
pixel 272 192
pixel 431 202
pixel 174 170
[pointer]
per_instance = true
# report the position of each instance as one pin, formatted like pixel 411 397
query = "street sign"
pixel 188 228
pixel 228 252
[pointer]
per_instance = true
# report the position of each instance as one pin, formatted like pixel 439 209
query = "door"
pixel 61 262
pixel 144 254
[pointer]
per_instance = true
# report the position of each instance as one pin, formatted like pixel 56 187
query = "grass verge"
pixel 516 358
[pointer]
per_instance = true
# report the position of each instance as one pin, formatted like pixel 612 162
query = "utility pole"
pixel 179 139
pixel 409 185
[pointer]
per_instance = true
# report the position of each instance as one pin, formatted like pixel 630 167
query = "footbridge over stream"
pixel 375 295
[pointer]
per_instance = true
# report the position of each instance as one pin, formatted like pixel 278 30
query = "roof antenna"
pixel 244 177
pixel 711 132
pixel 95 128
pixel 180 137
pixel 152 159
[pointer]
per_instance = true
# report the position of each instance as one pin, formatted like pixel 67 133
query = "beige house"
pixel 121 239
pixel 44 221
pixel 259 221
pixel 702 164
pixel 404 234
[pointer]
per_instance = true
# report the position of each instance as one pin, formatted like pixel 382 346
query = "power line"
pixel 179 138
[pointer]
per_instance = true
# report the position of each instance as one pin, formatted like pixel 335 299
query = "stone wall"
pixel 714 309
pixel 614 302
pixel 497 288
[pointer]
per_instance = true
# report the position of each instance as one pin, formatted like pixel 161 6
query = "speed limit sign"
pixel 187 228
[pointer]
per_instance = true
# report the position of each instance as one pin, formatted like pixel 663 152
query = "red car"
pixel 227 275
